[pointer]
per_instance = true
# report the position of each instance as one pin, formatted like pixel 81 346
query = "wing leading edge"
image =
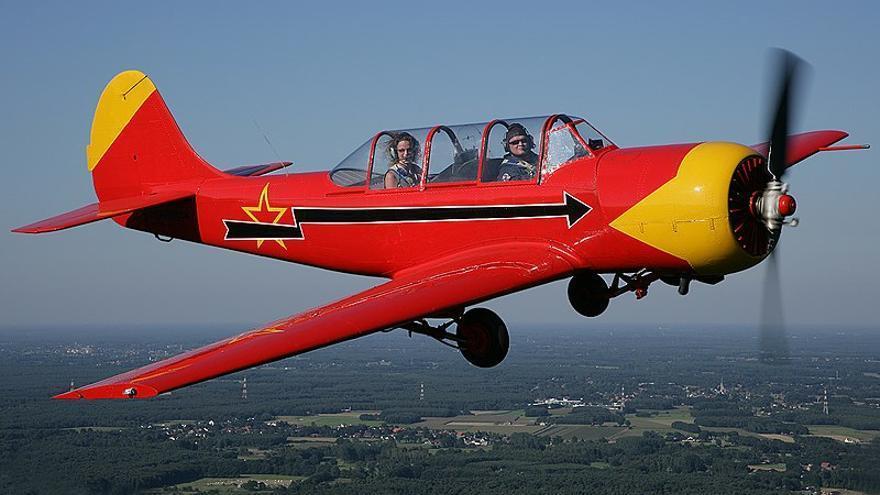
pixel 804 145
pixel 459 280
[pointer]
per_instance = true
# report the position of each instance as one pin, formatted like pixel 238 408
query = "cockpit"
pixel 502 150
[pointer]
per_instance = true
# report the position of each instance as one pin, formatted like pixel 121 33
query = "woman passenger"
pixel 403 152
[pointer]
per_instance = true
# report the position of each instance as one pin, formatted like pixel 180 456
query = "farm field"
pixel 234 485
pixel 842 433
pixel 766 436
pixel 96 428
pixel 661 421
pixel 504 422
pixel 337 419
pixel 583 432
pixel 778 467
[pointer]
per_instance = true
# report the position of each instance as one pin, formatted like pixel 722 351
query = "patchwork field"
pixel 662 420
pixel 843 434
pixel 505 422
pixel 497 418
pixel 97 428
pixel 584 432
pixel 778 467
pixel 767 436
pixel 338 419
pixel 776 436
pixel 236 485
pixel 840 491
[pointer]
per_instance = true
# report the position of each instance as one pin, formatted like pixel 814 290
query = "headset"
pixel 530 144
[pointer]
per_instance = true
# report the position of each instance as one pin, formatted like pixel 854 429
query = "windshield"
pixel 352 170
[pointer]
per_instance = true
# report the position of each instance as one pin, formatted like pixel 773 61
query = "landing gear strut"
pixel 480 335
pixel 589 294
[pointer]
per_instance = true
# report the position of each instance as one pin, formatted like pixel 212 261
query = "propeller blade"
pixel 786 87
pixel 773 341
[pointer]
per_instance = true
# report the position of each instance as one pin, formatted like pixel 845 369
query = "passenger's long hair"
pixel 397 138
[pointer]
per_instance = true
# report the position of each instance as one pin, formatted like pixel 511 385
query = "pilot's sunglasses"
pixel 518 142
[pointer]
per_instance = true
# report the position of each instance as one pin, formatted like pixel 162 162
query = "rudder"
pixel 135 144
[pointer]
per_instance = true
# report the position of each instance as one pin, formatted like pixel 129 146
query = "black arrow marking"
pixel 571 208
pixel 258 231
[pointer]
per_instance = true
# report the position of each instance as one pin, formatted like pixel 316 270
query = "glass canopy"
pixel 468 152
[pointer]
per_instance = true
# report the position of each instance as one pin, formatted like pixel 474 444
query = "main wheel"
pixel 588 294
pixel 485 338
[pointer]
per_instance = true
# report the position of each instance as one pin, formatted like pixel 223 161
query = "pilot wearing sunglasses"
pixel 520 162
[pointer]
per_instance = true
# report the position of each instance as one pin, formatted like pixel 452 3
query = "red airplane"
pixel 460 231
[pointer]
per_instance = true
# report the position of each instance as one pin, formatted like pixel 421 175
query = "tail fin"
pixel 135 143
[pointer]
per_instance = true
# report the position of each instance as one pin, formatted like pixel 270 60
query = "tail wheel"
pixel 484 339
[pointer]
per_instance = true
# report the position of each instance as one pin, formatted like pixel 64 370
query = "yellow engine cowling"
pixel 690 216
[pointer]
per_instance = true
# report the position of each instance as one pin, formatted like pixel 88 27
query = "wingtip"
pixel 72 395
pixel 110 391
pixel 30 229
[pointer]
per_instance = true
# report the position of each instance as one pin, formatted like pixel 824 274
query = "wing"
pixel 804 145
pixel 459 280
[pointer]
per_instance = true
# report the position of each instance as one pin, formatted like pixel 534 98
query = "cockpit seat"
pixel 490 169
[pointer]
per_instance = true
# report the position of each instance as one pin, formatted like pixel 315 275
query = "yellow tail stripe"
pixel 120 100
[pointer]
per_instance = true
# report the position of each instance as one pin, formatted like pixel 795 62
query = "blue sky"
pixel 320 79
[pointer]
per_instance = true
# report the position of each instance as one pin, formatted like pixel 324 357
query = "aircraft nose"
pixel 702 214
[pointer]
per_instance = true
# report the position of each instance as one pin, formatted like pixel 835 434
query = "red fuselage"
pixel 610 182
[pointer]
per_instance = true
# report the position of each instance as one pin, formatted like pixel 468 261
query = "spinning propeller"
pixel 773 205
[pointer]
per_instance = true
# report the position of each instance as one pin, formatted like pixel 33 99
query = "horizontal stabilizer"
pixel 100 211
pixel 255 170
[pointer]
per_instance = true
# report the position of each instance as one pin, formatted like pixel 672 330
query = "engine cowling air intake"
pixel 759 205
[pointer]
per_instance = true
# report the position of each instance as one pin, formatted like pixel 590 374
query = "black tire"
pixel 485 337
pixel 588 294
